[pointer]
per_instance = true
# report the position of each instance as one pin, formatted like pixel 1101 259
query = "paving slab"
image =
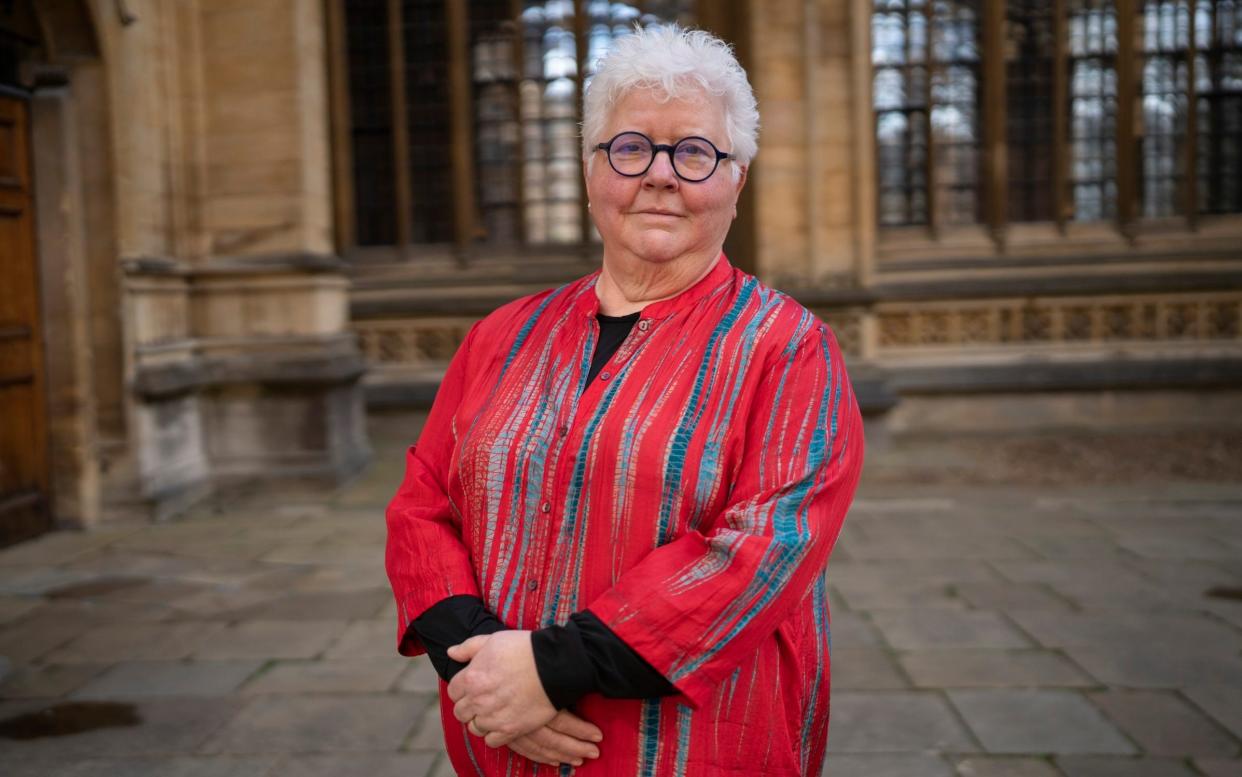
pixel 1219 767
pixel 316 724
pixel 895 722
pixel 865 669
pixel 971 668
pixel 374 638
pixel 1011 596
pixel 368 764
pixel 1095 766
pixel 166 727
pixel 1038 721
pixel 849 630
pixel 26 681
pixel 419 676
pixel 175 766
pixel 374 675
pixel 1096 628
pixel 135 641
pixel 130 679
pixel 428 733
pixel 857 765
pixel 1146 665
pixel 270 639
pixel 1163 724
pixel 1221 700
pixel 1005 766
pixel 13 607
pixel 341 605
pixel 931 629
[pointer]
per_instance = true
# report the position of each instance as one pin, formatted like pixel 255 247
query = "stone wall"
pixel 205 317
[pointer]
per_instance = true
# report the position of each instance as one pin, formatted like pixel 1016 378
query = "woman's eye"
pixel 692 150
pixel 630 148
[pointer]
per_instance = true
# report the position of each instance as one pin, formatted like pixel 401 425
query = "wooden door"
pixel 23 424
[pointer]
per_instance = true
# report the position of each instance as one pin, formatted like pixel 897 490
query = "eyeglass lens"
pixel 693 158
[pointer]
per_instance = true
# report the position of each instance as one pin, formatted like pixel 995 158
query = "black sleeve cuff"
pixel 585 656
pixel 450 622
pixel 565 669
pixel 620 673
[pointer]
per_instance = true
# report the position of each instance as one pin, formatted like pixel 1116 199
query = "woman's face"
pixel 657 217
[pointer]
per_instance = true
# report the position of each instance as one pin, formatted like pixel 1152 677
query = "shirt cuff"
pixel 585 656
pixel 449 622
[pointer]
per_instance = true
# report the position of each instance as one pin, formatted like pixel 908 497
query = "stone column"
pixel 64 301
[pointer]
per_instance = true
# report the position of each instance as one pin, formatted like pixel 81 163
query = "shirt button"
pixel 532 585
pixel 546 507
pixel 644 325
pixel 563 430
pixel 605 375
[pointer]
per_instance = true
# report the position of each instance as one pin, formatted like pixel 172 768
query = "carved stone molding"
pixel 1147 318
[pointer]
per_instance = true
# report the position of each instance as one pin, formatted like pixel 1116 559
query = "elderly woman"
pixel 612 534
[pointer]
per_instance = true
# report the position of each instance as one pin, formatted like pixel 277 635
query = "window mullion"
pixel 1190 176
pixel 402 188
pixel 580 46
pixel 995 188
pixel 342 147
pixel 1127 161
pixel 1060 115
pixel 933 220
pixel 460 150
pixel 519 65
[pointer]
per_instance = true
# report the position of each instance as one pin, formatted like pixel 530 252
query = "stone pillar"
pixel 64 300
pixel 806 74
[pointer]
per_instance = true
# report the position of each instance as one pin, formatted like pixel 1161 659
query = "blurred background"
pixel 240 240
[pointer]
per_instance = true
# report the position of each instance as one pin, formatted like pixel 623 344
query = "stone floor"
pixel 999 626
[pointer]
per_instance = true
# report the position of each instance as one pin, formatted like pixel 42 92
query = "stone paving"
pixel 980 630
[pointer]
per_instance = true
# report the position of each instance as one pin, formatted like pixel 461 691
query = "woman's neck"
pixel 627 287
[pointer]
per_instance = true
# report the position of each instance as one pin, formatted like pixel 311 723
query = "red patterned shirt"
pixel 689 497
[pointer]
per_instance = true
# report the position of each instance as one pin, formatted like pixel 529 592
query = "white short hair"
pixel 675 63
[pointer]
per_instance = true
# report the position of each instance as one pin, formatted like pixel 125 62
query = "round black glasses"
pixel 694 159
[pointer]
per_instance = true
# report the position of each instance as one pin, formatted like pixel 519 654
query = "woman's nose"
pixel 661 173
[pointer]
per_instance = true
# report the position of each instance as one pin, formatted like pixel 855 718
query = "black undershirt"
pixel 583 656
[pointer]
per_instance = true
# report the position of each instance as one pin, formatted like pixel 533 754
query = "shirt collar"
pixel 588 303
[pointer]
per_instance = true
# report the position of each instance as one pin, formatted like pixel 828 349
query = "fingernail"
pixel 593 754
pixel 577 762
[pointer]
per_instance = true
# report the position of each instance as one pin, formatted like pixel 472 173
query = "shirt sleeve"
pixel 424 555
pixel 697 606
pixel 584 656
pixel 450 622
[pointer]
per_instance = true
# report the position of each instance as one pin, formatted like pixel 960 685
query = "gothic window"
pixel 516 178
pixel 1011 111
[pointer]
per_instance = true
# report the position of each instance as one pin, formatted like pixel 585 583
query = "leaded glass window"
pixel 1030 94
pixel 1093 109
pixel 1218 105
pixel 925 94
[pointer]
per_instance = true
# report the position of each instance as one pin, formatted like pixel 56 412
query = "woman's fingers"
pixel 563 747
pixel 527 749
pixel 568 723
pixel 468 649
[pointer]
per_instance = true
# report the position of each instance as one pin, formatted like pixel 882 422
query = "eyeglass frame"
pixel 656 148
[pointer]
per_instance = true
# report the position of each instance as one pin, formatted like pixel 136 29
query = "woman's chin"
pixel 660 248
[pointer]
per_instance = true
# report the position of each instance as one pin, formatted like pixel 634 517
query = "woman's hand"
pixel 567 739
pixel 499 695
